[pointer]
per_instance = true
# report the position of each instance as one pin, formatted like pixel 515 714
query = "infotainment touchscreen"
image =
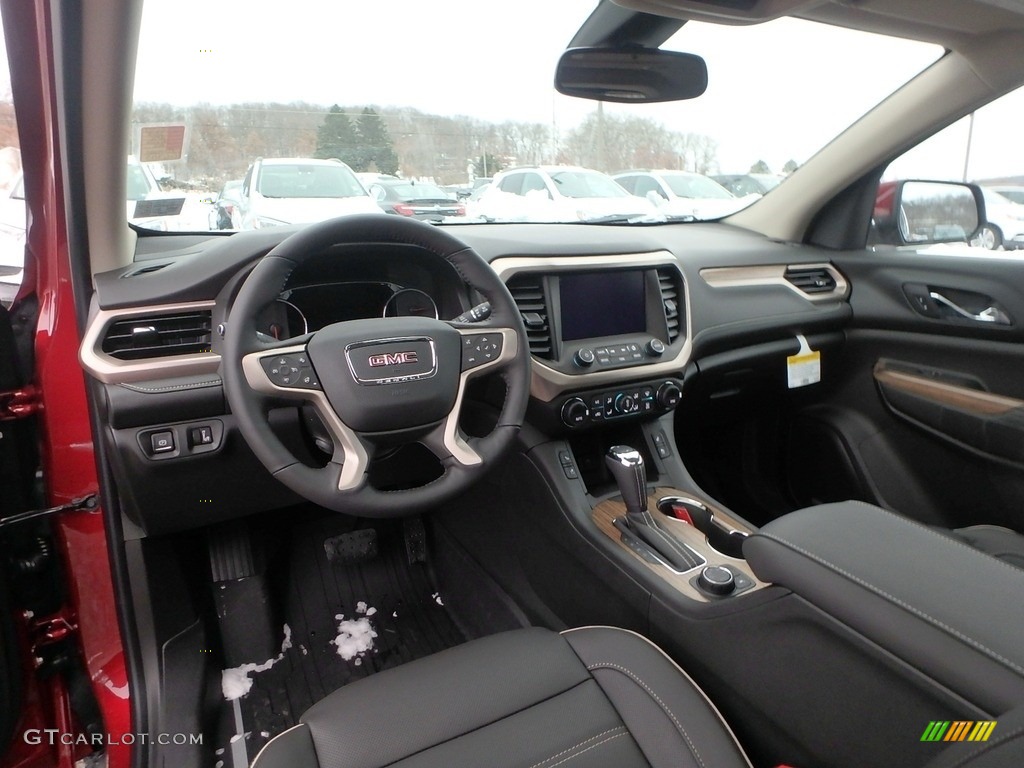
pixel 599 304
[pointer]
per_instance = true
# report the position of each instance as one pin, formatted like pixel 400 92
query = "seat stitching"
pixel 982 749
pixel 490 723
pixel 906 606
pixel 205 384
pixel 620 728
pixel 682 673
pixel 650 692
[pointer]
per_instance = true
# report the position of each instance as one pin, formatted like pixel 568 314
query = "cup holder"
pixel 722 537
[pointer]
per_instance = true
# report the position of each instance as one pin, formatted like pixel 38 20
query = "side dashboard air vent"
pixel 671 284
pixel 528 293
pixel 811 280
pixel 146 270
pixel 178 333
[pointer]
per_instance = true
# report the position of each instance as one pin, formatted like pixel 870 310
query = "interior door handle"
pixel 987 315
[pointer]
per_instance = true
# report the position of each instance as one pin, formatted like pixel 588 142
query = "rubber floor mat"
pixel 387 596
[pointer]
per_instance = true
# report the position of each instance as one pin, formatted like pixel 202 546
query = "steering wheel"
pixel 375 382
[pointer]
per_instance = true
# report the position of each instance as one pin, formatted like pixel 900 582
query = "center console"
pixel 609 339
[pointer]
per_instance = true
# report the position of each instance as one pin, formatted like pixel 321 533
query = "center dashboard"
pixel 614 318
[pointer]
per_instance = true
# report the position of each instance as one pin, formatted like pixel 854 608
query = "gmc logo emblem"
pixel 392 358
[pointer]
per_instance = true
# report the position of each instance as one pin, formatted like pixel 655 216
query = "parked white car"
pixel 682 194
pixel 1010 192
pixel 1004 223
pixel 554 193
pixel 145 205
pixel 300 190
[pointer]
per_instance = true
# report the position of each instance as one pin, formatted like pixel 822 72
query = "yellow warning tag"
pixel 803 368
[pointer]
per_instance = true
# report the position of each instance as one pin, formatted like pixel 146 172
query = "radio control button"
pixel 584 357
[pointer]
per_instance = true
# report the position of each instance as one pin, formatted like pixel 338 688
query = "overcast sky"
pixel 777 92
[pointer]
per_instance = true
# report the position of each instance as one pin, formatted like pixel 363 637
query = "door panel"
pixel 924 413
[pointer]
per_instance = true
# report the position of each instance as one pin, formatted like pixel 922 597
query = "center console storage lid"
pixel 950 611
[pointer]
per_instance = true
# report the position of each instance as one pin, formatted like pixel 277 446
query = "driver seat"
pixel 530 698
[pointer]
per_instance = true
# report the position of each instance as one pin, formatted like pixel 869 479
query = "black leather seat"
pixel 1006 544
pixel 587 698
pixel 531 698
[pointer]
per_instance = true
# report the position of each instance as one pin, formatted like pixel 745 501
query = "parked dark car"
pixel 225 213
pixel 420 200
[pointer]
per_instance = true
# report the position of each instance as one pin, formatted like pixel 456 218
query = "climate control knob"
pixel 574 412
pixel 669 394
pixel 624 403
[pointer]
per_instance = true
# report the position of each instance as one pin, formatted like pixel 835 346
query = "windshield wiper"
pixel 619 218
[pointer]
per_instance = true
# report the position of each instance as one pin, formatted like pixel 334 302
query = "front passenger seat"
pixel 586 698
pixel 528 698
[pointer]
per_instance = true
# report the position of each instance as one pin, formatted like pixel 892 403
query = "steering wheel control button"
pixel 717 580
pixel 290 371
pixel 162 442
pixel 479 349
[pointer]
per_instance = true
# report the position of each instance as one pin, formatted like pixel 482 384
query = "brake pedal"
pixel 350 548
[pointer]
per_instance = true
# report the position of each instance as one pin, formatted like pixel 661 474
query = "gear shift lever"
pixel 627 467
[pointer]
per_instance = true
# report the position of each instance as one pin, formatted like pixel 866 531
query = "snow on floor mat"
pixel 343 622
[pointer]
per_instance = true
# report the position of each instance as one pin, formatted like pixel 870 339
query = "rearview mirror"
pixel 631 75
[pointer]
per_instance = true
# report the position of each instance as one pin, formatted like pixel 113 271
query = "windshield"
pixel 203 78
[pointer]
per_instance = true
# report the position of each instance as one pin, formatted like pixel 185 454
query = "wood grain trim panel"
pixel 605 513
pixel 964 399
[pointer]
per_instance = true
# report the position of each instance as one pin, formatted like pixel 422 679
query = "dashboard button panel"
pixel 635 401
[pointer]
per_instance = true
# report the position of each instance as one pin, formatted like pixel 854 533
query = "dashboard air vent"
pixel 811 280
pixel 179 333
pixel 528 293
pixel 146 270
pixel 671 287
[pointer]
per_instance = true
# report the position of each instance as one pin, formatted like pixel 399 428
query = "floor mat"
pixel 390 612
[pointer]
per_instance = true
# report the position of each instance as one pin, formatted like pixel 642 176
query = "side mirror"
pixel 654 198
pixel 928 212
pixel 631 74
